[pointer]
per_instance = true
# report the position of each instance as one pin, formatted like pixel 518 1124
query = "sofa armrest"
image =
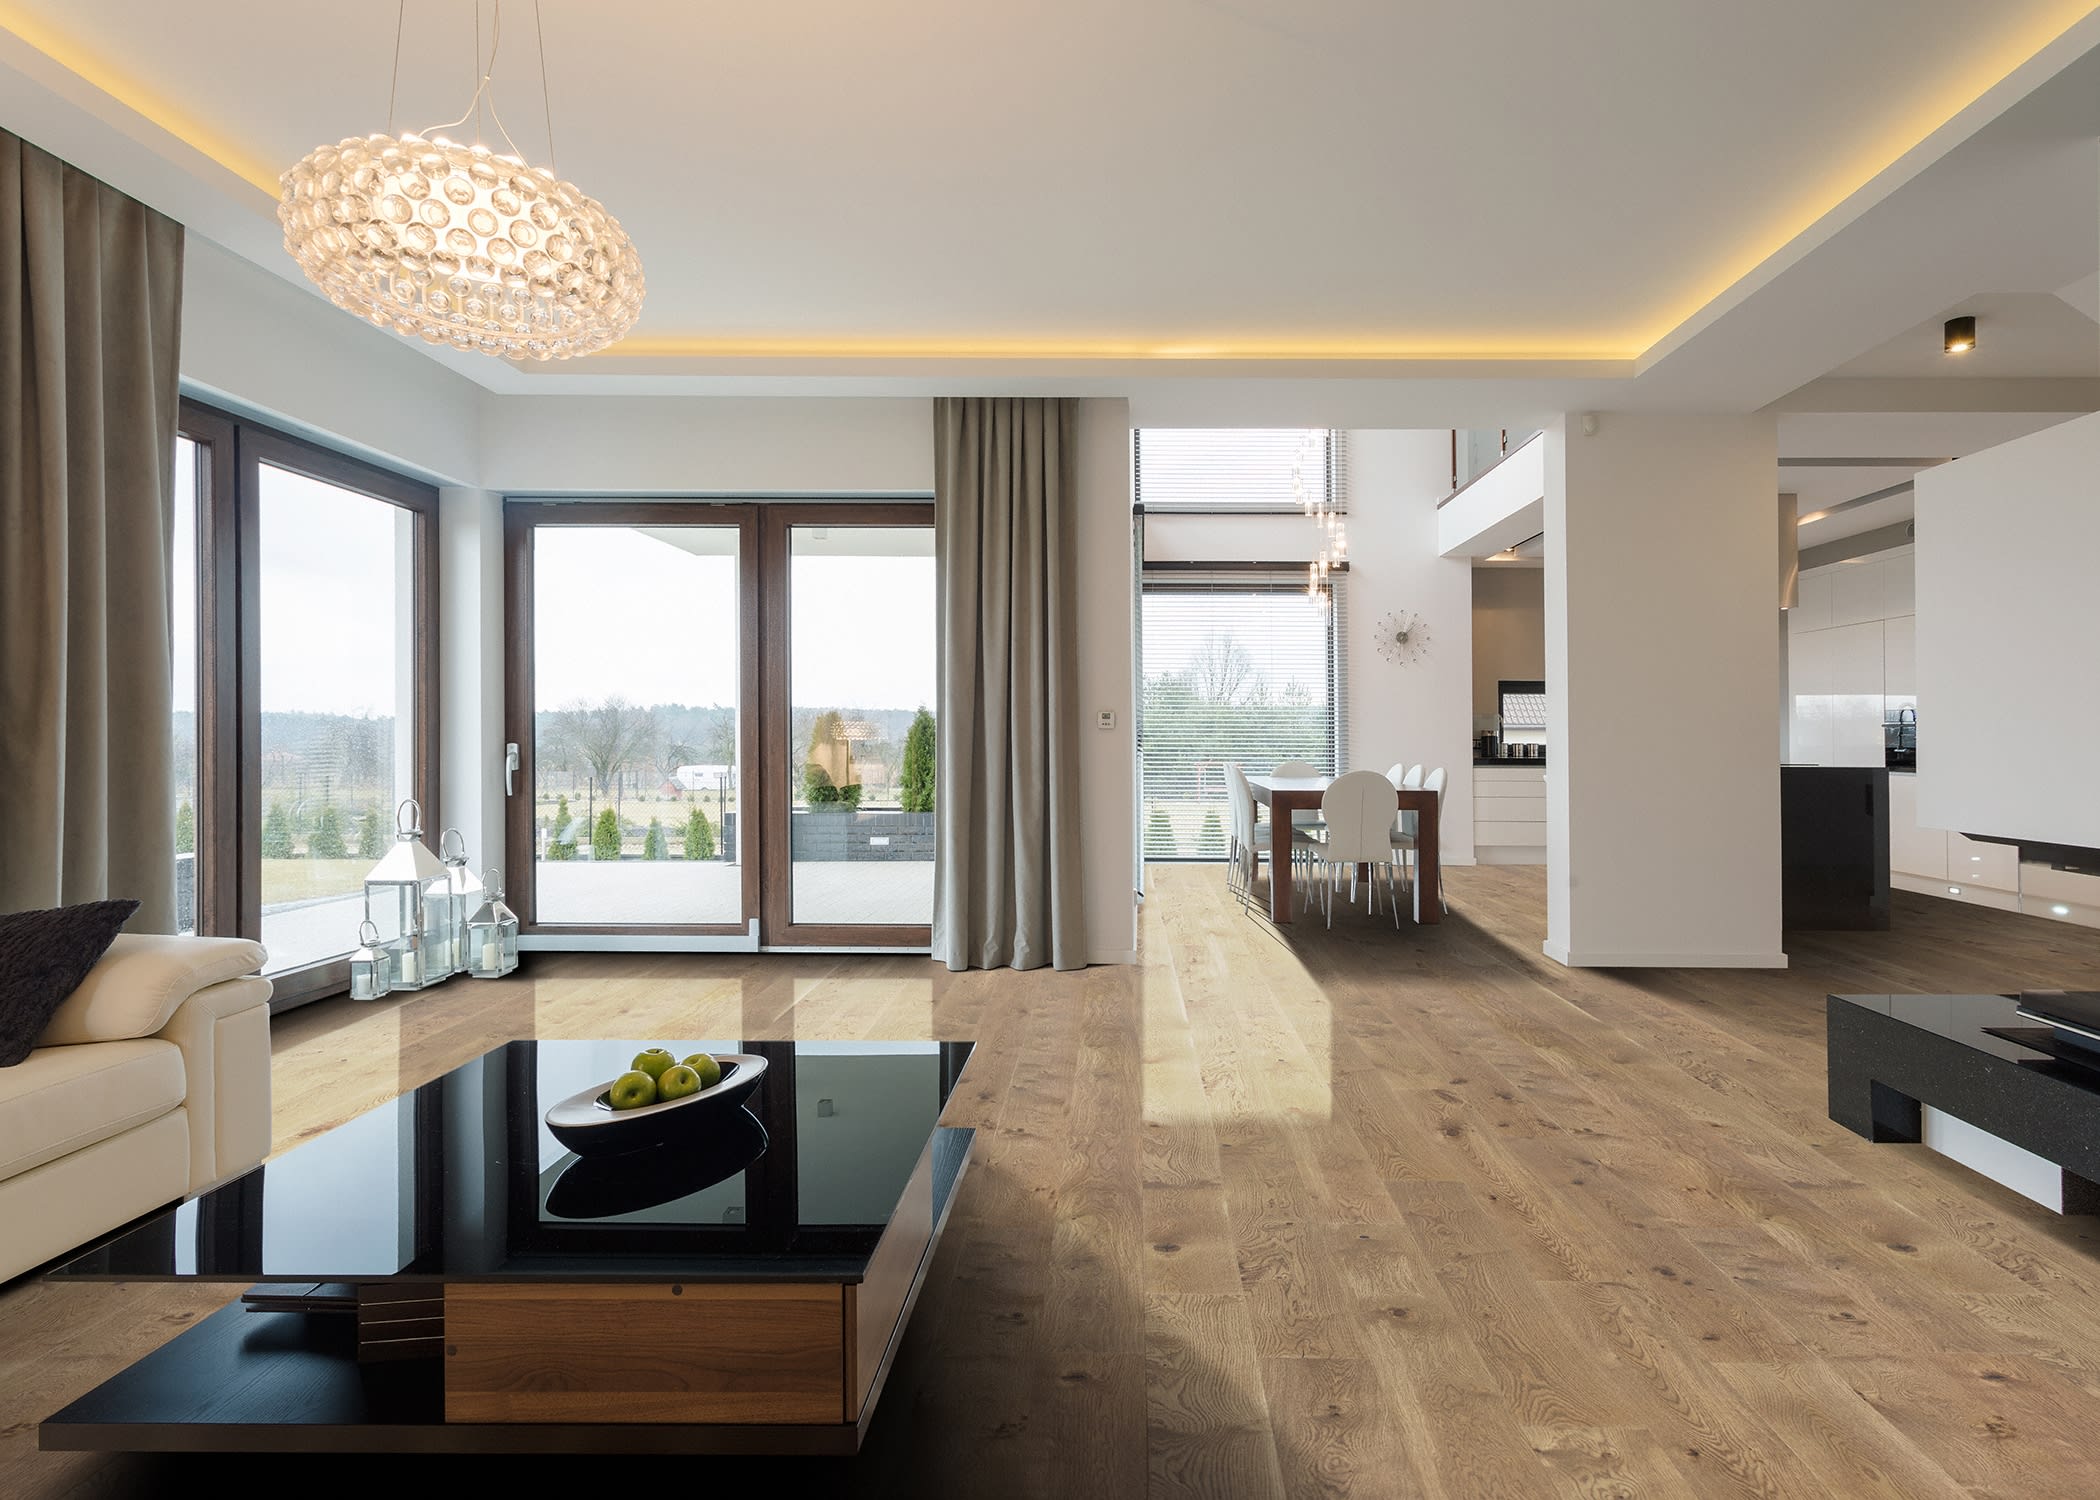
pixel 224 1033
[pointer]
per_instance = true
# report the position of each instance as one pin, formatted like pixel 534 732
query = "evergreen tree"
pixel 371 836
pixel 699 836
pixel 185 828
pixel 653 840
pixel 561 837
pixel 277 833
pixel 818 789
pixel 605 837
pixel 1159 835
pixel 916 790
pixel 1210 839
pixel 326 841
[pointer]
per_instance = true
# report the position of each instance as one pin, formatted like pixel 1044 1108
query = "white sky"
pixel 329 580
pixel 620 612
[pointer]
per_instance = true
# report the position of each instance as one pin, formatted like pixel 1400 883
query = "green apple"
pixel 677 1083
pixel 709 1070
pixel 653 1061
pixel 631 1090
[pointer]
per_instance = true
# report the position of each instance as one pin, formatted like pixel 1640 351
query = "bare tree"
pixel 610 737
pixel 1221 671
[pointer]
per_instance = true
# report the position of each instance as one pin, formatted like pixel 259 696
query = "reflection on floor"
pixel 1360 1212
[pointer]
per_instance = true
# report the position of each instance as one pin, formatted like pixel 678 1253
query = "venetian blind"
pixel 1239 667
pixel 1241 469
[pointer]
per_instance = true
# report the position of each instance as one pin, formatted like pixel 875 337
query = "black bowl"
pixel 589 1126
pixel 600 1187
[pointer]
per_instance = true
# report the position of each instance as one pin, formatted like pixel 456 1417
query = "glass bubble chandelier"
pixel 1316 498
pixel 460 245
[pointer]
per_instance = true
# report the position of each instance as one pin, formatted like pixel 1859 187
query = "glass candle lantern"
pixel 492 934
pixel 466 891
pixel 408 901
pixel 371 966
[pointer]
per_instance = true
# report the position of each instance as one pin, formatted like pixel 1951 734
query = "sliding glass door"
pixel 714 709
pixel 851 679
pixel 630 686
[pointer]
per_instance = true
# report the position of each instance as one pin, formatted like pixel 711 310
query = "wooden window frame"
pixel 229 671
pixel 520 518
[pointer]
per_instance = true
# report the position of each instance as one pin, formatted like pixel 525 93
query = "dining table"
pixel 1285 795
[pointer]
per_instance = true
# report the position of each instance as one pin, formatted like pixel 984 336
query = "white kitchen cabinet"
pixel 1899 637
pixel 1811 609
pixel 1913 851
pixel 1991 866
pixel 1809 680
pixel 1899 585
pixel 1856 668
pixel 1509 815
pixel 1855 594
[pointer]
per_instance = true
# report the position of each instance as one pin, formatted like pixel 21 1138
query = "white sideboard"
pixel 1509 814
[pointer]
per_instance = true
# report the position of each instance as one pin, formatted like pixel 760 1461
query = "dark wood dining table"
pixel 1284 795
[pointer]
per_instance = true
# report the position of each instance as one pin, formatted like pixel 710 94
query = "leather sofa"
pixel 150 1084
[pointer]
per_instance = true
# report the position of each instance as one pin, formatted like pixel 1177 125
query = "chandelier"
pixel 458 245
pixel 1317 501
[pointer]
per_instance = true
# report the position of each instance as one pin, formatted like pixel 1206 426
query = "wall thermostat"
pixel 1106 719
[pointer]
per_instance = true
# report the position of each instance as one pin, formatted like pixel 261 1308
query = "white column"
pixel 470 673
pixel 1662 680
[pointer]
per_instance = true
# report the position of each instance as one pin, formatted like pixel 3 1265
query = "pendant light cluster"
pixel 1315 496
pixel 460 245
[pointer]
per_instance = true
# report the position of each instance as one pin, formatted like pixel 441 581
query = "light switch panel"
pixel 1106 719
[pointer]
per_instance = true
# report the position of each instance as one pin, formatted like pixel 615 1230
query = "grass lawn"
pixel 310 879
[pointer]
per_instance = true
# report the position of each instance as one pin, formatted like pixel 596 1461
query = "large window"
pixel 1239 667
pixel 304 605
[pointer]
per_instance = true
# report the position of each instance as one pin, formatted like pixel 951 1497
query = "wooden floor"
pixel 1350 1213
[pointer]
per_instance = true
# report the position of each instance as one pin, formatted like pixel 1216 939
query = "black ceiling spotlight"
pixel 1961 335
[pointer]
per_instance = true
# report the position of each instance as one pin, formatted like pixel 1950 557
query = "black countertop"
pixel 1511 760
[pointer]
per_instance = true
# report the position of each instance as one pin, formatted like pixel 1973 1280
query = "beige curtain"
pixel 1006 881
pixel 90 308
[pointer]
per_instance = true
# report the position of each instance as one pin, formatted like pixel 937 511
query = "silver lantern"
pixel 492 934
pixel 466 892
pixel 371 966
pixel 408 901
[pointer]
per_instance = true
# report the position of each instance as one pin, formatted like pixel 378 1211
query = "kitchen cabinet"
pixel 1856 594
pixel 1811 609
pixel 1920 853
pixel 1509 815
pixel 1899 635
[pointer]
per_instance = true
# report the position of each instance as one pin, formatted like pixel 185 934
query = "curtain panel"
pixel 1007 889
pixel 90 317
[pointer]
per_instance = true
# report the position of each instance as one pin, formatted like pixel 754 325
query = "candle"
pixel 411 971
pixel 488 956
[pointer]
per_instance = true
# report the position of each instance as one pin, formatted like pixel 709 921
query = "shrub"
pixel 849 794
pixel 561 832
pixel 818 789
pixel 326 841
pixel 1211 836
pixel 915 791
pixel 371 836
pixel 605 836
pixel 699 836
pixel 277 833
pixel 185 829
pixel 653 840
pixel 1159 834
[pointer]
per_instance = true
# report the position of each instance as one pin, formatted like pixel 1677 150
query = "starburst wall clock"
pixel 1403 637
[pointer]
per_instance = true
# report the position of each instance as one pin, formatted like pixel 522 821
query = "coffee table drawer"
pixel 744 1352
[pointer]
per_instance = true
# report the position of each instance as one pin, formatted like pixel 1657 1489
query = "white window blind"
pixel 1239 667
pixel 1244 469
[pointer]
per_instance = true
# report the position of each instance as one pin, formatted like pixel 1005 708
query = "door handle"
pixel 510 769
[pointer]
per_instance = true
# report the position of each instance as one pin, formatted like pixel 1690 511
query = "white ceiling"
pixel 1496 176
pixel 2019 335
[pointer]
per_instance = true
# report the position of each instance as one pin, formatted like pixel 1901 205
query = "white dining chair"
pixel 1396 773
pixel 1412 778
pixel 1406 846
pixel 1307 821
pixel 1357 809
pixel 1246 849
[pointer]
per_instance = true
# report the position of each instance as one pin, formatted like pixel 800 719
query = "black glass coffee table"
pixel 441 1275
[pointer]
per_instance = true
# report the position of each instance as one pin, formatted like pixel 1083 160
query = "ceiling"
pixel 1335 178
pixel 2019 335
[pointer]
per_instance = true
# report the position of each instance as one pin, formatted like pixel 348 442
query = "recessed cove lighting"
pixel 1961 335
pixel 2059 910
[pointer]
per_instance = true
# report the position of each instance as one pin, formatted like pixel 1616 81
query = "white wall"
pixel 706 445
pixel 255 342
pixel 1422 711
pixel 1662 687
pixel 2008 621
pixel 470 672
pixel 1107 679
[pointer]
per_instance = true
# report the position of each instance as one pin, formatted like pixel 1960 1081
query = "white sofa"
pixel 152 1083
